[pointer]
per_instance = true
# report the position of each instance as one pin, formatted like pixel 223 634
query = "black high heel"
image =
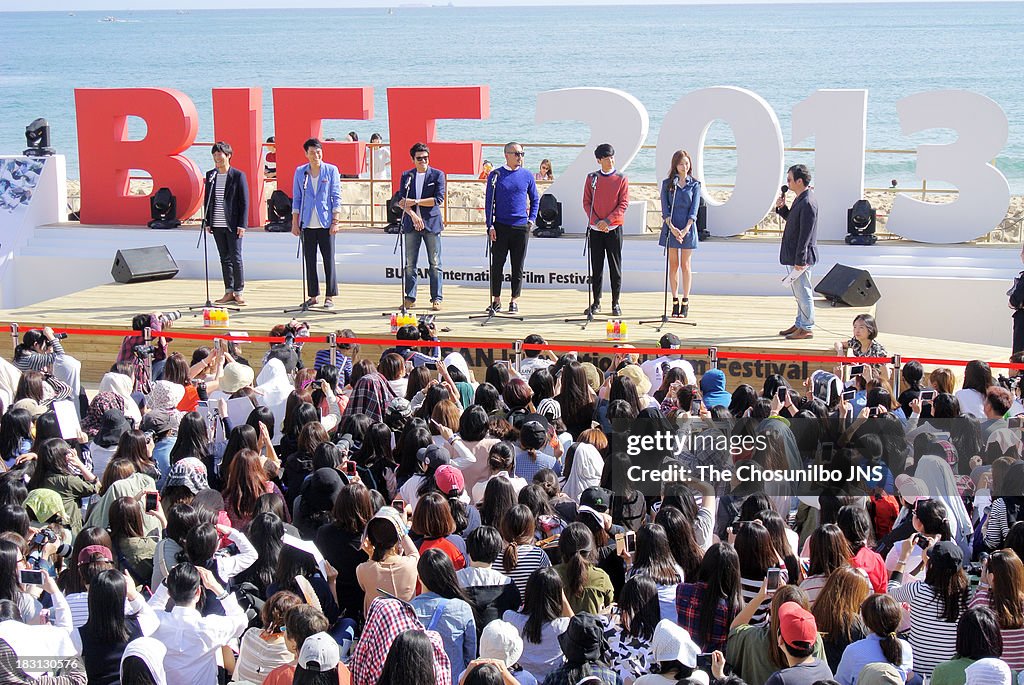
pixel 684 307
pixel 675 306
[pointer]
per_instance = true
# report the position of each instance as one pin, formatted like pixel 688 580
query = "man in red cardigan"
pixel 605 199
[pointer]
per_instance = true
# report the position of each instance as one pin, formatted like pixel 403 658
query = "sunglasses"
pixel 422 158
pixel 516 154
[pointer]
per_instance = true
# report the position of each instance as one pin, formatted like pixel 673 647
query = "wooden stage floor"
pixel 731 323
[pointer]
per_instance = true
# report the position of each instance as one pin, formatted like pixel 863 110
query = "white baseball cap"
pixel 319 653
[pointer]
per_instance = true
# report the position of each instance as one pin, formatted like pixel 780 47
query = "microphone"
pixel 784 189
pixel 408 181
pixel 212 175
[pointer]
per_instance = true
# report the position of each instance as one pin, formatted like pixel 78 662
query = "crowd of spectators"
pixel 398 521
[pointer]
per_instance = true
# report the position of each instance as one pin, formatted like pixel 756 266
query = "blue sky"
pixel 104 5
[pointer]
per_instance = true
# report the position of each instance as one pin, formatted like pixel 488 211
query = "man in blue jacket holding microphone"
pixel 316 213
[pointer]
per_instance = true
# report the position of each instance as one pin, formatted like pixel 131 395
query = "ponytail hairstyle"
pixel 882 616
pixel 517 528
pixel 576 546
pixel 200 545
pixel 856 526
pixel 460 514
pixel 933 516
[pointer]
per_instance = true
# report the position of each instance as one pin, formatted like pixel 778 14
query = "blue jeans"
pixel 804 295
pixel 412 255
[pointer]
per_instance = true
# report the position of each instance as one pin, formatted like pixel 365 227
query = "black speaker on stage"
pixel 849 286
pixel 142 264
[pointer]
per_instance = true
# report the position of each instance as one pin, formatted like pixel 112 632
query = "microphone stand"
pixel 664 306
pixel 491 312
pixel 300 254
pixel 204 226
pixel 589 318
pixel 400 248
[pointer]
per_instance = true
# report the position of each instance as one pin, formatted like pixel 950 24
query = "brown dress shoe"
pixel 791 329
pixel 239 299
pixel 228 297
pixel 436 305
pixel 800 334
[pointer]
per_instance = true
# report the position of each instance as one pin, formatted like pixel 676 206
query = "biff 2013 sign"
pixel 837 119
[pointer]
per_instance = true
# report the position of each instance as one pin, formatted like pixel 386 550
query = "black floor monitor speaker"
pixel 142 264
pixel 849 286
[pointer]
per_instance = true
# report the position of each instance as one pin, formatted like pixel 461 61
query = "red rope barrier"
pixel 501 345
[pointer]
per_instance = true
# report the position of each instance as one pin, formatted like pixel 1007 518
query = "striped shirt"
pixel 812 585
pixel 750 587
pixel 996 526
pixel 529 558
pixel 1013 638
pixel 36 361
pixel 219 219
pixel 933 639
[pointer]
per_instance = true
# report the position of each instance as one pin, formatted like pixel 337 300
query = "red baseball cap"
pixel 449 480
pixel 797 625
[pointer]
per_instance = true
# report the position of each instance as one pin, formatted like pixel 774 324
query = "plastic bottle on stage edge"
pixel 206 317
pixel 394 323
pixel 609 330
pixel 623 330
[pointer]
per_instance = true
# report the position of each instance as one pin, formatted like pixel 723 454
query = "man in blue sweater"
pixel 509 221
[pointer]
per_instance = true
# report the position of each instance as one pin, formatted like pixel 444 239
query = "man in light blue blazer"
pixel 316 214
pixel 422 192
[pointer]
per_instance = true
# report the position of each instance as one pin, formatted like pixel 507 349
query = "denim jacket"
pixel 325 201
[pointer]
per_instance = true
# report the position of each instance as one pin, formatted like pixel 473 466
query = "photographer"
pixel 41 350
pixel 135 349
pixel 424 330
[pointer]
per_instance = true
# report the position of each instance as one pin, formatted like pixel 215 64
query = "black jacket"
pixel 236 198
pixel 800 238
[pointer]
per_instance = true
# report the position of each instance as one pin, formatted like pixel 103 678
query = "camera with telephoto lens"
pixel 60 336
pixel 167 317
pixel 1010 383
pixel 425 326
pixel 44 537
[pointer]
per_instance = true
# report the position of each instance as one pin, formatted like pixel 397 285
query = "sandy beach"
pixel 466 198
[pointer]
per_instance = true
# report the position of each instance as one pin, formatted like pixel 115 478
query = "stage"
pixel 744 324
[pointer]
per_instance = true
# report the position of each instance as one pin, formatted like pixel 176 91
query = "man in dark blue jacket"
pixel 226 199
pixel 422 191
pixel 799 250
pixel 510 209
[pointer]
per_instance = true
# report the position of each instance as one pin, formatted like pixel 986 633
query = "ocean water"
pixel 657 53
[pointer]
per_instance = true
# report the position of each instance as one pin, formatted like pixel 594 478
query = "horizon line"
pixel 384 4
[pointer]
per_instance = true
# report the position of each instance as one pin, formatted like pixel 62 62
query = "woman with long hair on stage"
pixel 680 200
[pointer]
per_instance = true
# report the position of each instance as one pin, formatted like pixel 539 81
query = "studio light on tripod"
pixel 37 137
pixel 279 213
pixel 860 224
pixel 549 217
pixel 163 209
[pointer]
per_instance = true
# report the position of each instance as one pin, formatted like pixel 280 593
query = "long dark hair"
pixel 654 556
pixel 829 550
pixel 856 526
pixel 542 602
pixel 410 660
pixel 499 498
pixel 15 426
pixel 681 541
pixel 576 546
pixel 755 550
pixel 264 532
pixel 52 458
pixel 71 580
pixel 720 571
pixel 107 593
pixel 777 530
pixel 978 635
pixel 192 439
pixel 882 616
pixel 437 573
pixel 640 608
pixel 951 590
pixel 10 555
